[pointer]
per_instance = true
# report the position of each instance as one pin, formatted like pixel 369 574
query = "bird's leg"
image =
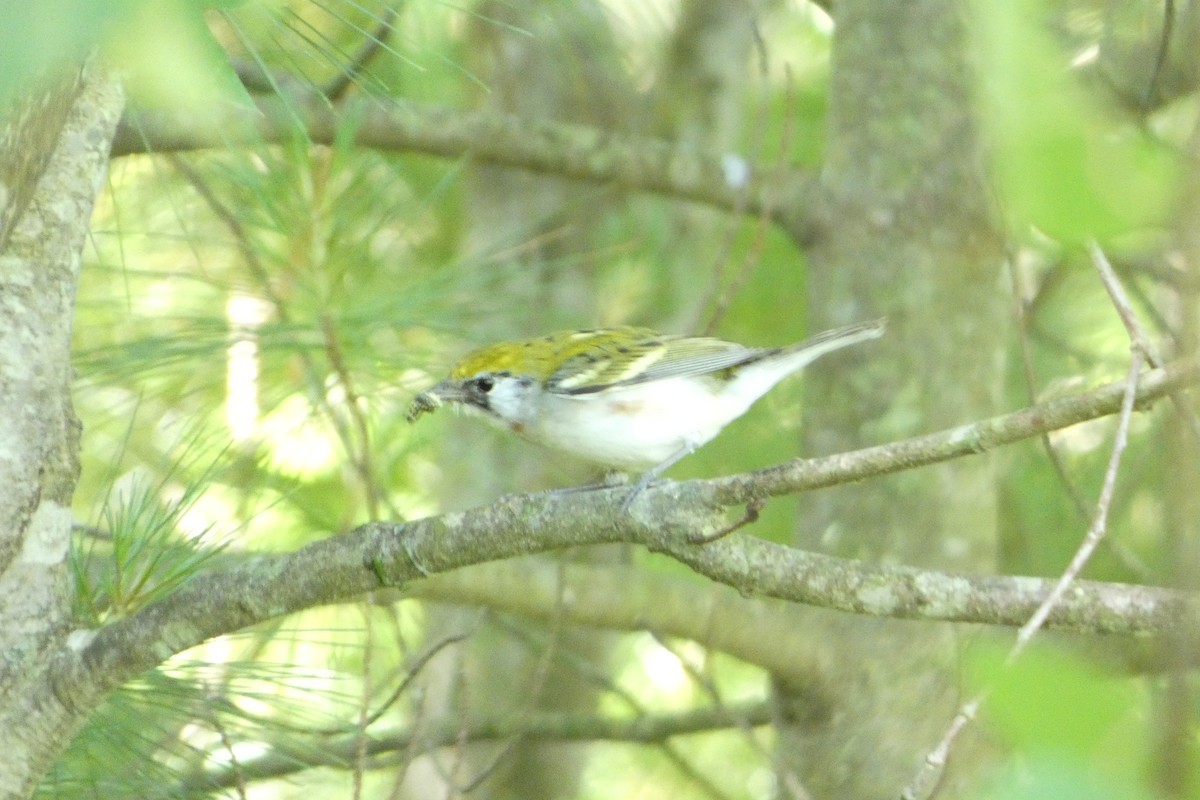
pixel 611 479
pixel 652 474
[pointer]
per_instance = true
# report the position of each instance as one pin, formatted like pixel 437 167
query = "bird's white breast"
pixel 638 426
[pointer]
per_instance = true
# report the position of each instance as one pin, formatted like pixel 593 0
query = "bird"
pixel 628 399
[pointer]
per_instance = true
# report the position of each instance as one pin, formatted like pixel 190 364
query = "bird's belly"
pixel 634 427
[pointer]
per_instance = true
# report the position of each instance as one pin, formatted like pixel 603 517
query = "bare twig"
pixel 370 47
pixel 1031 382
pixel 540 726
pixel 595 674
pixel 361 459
pixel 1159 268
pixel 358 455
pixel 935 762
pixel 710 688
pixel 720 298
pixel 413 671
pixel 532 695
pixel 1112 284
pixel 1137 333
pixel 753 509
pixel 359 763
pixel 792 197
pixel 1141 348
pixel 1099 525
pixel 933 448
pixel 1160 57
pixel 1127 558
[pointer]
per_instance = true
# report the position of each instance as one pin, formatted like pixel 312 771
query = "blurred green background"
pixel 253 321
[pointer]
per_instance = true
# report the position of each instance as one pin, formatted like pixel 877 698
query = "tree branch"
pixel 789 196
pixel 753 630
pixel 53 153
pixel 977 437
pixel 289 758
pixel 391 554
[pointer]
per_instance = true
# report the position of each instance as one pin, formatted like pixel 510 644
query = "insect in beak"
pixel 433 399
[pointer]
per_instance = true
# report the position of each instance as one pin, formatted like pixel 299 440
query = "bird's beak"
pixel 432 399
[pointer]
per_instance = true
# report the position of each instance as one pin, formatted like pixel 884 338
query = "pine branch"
pixel 289 758
pixel 381 555
pixel 788 196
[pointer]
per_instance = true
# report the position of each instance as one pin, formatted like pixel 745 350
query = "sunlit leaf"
pixel 1061 164
pixel 172 60
pixel 163 47
pixel 1051 705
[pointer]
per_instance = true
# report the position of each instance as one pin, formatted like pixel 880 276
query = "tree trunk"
pixel 549 60
pixel 910 237
pixel 53 153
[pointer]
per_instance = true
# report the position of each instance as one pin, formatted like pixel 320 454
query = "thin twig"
pixel 1112 284
pixel 413 671
pixel 1159 269
pixel 360 763
pixel 233 222
pixel 594 674
pixel 931 770
pixel 1135 329
pixel 235 767
pixel 1127 559
pixel 753 509
pixel 1099 525
pixel 533 694
pixel 1031 382
pixel 1160 57
pixel 359 61
pixel 719 299
pixel 710 688
pixel 801 475
pixel 318 395
pixel 362 459
pixel 553 727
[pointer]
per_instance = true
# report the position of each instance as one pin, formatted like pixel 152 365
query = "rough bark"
pixel 549 60
pixel 910 237
pixel 54 151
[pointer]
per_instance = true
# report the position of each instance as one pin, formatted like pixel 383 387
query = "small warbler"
pixel 624 398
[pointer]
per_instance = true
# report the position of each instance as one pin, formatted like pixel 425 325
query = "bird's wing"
pixel 649 358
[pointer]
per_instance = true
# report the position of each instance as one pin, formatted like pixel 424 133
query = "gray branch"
pixel 341 751
pixel 788 195
pixel 663 520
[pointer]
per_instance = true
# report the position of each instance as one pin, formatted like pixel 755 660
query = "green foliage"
pixel 145 544
pixel 1064 164
pixel 1080 733
pixel 342 281
pixel 161 735
pixel 164 47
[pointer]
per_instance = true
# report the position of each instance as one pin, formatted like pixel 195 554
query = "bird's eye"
pixel 484 384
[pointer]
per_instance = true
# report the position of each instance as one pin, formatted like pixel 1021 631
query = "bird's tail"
pixel 756 377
